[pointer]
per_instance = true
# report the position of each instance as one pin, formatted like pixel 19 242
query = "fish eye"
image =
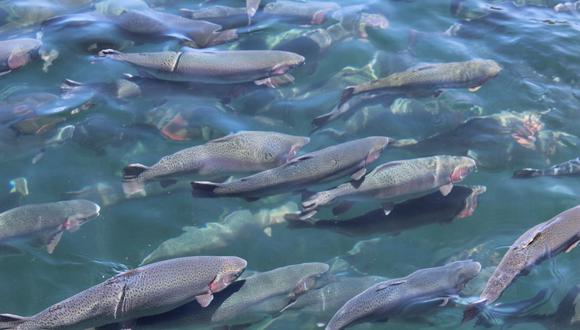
pixel 268 156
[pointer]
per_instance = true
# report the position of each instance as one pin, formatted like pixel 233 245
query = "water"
pixel 536 47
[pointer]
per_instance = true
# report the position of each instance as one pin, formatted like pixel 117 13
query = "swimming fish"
pixel 545 240
pixel 147 290
pixel 243 152
pixel 395 182
pixel 571 167
pixel 208 66
pixel 346 159
pixel 16 53
pixel 429 287
pixel 45 222
pixel 311 12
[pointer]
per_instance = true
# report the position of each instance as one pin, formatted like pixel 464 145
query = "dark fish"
pixel 421 80
pixel 395 182
pixel 433 208
pixel 568 168
pixel 545 240
pixel 243 152
pixel 16 53
pixel 246 301
pixel 147 290
pixel 425 288
pixel 345 159
pixel 45 222
pixel 219 67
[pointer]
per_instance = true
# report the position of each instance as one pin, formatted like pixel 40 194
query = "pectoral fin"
pixel 53 242
pixel 205 299
pixel 572 246
pixel 388 208
pixel 446 189
pixel 358 175
pixel 474 89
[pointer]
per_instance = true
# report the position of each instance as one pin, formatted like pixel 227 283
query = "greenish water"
pixel 536 47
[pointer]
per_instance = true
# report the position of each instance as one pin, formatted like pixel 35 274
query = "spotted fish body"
pixel 218 67
pixel 350 158
pixel 397 181
pixel 545 240
pixel 568 168
pixel 16 53
pixel 243 152
pixel 430 286
pixel 143 291
pixel 312 12
pixel 248 300
pixel 45 221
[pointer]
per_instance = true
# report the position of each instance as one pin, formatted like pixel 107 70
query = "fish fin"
pixel 167 183
pixel 388 208
pixel 446 189
pixel 204 188
pixel 268 231
pixel 11 321
pixel 71 224
pixel 341 208
pixel 527 173
pixel 347 94
pixel 53 242
pixel 204 299
pixel 3 73
pixel 38 156
pixel 298 159
pixel 472 310
pixel 131 183
pixel 474 88
pixel 358 175
pixel 321 120
pixel 572 246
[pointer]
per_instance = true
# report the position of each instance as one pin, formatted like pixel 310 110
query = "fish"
pixel 433 208
pixel 147 290
pixel 45 222
pixel 209 66
pixel 394 182
pixel 242 152
pixel 421 80
pixel 543 241
pixel 567 7
pixel 312 12
pixel 14 145
pixel 247 301
pixel 423 289
pixel 567 168
pixel 346 159
pixel 225 16
pixel 16 53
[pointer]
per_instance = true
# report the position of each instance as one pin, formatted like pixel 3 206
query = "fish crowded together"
pixel 289 129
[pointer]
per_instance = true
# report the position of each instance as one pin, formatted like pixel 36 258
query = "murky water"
pixel 536 47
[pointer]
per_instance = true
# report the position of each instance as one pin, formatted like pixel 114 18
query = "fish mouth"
pixel 461 172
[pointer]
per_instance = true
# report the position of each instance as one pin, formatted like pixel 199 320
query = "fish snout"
pixel 290 61
pixel 232 270
pixel 467 166
pixel 493 68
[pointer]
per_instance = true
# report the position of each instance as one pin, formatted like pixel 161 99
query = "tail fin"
pixel 473 310
pixel 204 188
pixel 527 173
pixel 132 184
pixel 10 322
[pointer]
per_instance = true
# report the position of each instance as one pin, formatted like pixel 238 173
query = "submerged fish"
pixel 426 79
pixel 243 152
pixel 148 290
pixel 545 240
pixel 45 222
pixel 433 208
pixel 227 17
pixel 219 67
pixel 311 12
pixel 395 182
pixel 568 168
pixel 246 301
pixel 16 53
pixel 14 145
pixel 345 159
pixel 429 287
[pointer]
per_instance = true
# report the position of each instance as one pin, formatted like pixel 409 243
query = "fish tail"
pixel 132 182
pixel 347 94
pixel 204 188
pixel 527 173
pixel 9 321
pixel 473 310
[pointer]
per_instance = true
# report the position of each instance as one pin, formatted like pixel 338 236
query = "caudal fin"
pixel 527 173
pixel 472 310
pixel 204 188
pixel 132 183
pixel 9 321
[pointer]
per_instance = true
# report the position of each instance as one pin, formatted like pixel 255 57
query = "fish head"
pixel 460 167
pixel 376 146
pixel 488 68
pixel 311 278
pixel 80 212
pixel 230 270
pixel 21 53
pixel 287 62
pixel 461 272
pixel 280 148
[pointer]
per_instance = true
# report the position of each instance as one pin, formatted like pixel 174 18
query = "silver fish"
pixel 148 290
pixel 545 240
pixel 243 152
pixel 218 67
pixel 395 182
pixel 345 159
pixel 426 287
pixel 46 222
